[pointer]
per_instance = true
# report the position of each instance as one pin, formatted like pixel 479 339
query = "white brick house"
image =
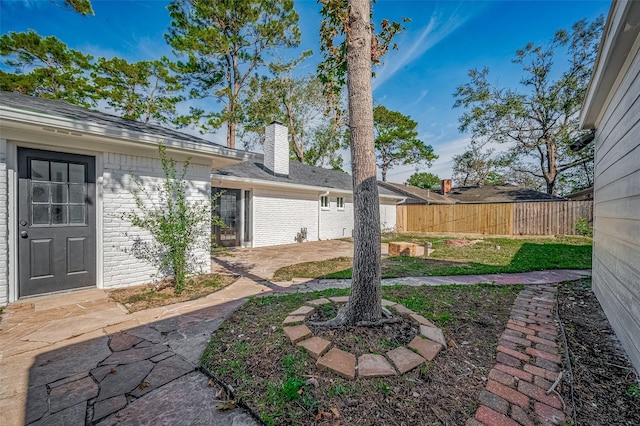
pixel 65 180
pixel 270 200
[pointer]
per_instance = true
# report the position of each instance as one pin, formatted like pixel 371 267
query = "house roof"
pixel 585 194
pixel 417 195
pixel 79 120
pixel 498 194
pixel 614 57
pixel 299 174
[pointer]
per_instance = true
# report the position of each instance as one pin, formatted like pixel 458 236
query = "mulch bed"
pixel 251 353
pixel 153 295
pixel 605 386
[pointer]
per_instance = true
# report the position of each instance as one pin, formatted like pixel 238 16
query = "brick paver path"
pixel 528 363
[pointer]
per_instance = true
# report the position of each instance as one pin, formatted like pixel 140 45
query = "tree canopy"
pixel 315 133
pixel 538 123
pixel 474 167
pixel 45 67
pixel 224 43
pixel 424 180
pixel 397 141
pixel 145 91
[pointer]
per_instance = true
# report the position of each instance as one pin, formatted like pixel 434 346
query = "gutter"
pixel 63 125
pixel 284 185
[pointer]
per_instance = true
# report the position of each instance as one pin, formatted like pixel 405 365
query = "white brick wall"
pixel 336 223
pixel 279 215
pixel 387 215
pixel 276 149
pixel 120 267
pixel 4 240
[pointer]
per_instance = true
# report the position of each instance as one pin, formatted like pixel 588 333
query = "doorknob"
pixel 24 234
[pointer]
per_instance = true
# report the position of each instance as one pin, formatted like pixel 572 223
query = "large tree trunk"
pixel 231 134
pixel 365 300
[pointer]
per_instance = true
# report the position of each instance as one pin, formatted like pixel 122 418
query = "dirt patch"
pixel 363 340
pixel 251 353
pixel 605 386
pixel 148 296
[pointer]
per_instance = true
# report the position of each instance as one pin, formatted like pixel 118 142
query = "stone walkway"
pixel 79 358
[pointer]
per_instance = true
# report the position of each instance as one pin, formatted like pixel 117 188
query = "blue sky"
pixel 443 41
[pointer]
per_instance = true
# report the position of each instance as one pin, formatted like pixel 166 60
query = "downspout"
pixel 320 209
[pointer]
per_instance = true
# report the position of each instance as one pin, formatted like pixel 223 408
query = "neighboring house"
pixel 416 195
pixel 584 195
pixel 498 194
pixel 272 200
pixel 65 180
pixel 612 107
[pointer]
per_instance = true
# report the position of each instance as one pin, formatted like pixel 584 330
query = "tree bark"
pixel 365 299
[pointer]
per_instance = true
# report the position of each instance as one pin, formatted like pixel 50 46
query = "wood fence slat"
pixel 534 218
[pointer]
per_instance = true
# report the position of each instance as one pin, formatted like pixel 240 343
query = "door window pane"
pixel 76 173
pixel 58 214
pixel 59 193
pixel 39 192
pixel 76 193
pixel 39 170
pixel 40 214
pixel 58 172
pixel 76 214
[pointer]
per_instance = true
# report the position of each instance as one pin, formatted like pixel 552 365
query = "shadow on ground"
pixel 142 375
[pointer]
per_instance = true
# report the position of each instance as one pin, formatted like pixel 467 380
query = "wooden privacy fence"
pixel 530 218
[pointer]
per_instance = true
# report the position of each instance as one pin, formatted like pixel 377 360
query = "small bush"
pixel 583 227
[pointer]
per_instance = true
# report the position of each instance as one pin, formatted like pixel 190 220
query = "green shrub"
pixel 583 227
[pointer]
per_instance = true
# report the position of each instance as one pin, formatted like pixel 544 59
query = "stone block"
pixel 425 347
pixel 297 333
pixel 370 365
pixel 388 303
pixel 405 359
pixel 293 319
pixel 402 311
pixel 339 300
pixel 433 333
pixel 340 362
pixel 318 302
pixel 402 249
pixel 303 310
pixel 421 320
pixel 316 346
pixel 72 393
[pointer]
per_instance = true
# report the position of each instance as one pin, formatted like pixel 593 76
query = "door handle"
pixel 24 234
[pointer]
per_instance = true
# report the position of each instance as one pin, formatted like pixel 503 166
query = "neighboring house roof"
pixel 299 175
pixel 498 194
pixel 585 194
pixel 77 120
pixel 417 195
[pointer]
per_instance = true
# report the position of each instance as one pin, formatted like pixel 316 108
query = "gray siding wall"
pixel 616 251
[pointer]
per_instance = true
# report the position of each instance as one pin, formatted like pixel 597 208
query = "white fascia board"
pixel 45 122
pixel 619 36
pixel 291 186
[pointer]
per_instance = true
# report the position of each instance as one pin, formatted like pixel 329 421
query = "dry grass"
pixel 146 296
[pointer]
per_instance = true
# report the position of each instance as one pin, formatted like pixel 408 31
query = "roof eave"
pixel 620 33
pixel 52 123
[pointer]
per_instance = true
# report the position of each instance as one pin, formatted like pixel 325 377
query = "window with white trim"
pixel 324 202
pixel 340 203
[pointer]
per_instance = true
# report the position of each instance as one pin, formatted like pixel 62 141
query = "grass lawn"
pixel 486 256
pixel 271 376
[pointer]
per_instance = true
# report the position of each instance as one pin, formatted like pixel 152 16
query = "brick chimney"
pixel 445 185
pixel 276 149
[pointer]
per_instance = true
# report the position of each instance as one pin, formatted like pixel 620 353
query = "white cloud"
pixel 415 45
